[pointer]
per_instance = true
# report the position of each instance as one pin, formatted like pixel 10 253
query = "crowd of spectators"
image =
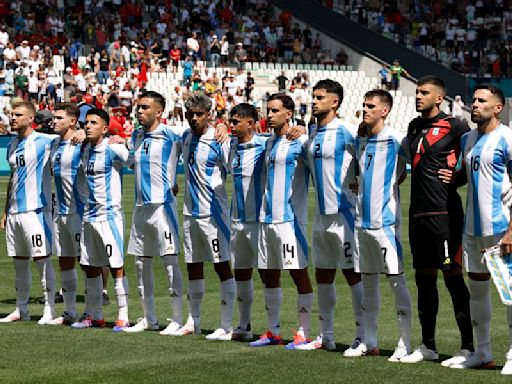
pixel 108 47
pixel 469 36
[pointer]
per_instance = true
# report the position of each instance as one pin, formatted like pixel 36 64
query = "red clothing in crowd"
pixel 116 126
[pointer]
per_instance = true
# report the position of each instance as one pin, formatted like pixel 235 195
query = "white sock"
pixel 140 283
pixel 69 281
pixel 148 300
pixel 195 296
pixel 47 276
pixel 357 308
pixel 227 301
pixel 403 307
pixel 121 289
pixel 94 291
pixel 173 272
pixel 304 305
pixel 273 299
pixel 245 298
pixel 371 308
pixel 326 303
pixel 22 283
pixel 480 308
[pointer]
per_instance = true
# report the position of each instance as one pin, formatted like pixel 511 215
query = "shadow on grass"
pixel 37 300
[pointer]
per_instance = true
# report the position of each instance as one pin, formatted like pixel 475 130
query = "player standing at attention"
pixel 154 229
pixel 206 221
pixel 283 217
pixel 27 219
pixel 331 160
pixel 102 232
pixel 247 160
pixel 247 165
pixel 487 157
pixel 436 219
pixel 382 156
pixel 70 190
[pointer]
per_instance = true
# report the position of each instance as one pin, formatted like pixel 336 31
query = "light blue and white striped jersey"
pixel 103 165
pixel 247 163
pixel 381 161
pixel 29 160
pixel 154 156
pixel 286 185
pixel 69 178
pixel 206 165
pixel 332 164
pixel 488 160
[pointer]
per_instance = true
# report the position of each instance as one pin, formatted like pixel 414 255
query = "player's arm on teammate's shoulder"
pixel 116 139
pixel 221 134
pixel 295 132
pixel 6 207
pixel 78 137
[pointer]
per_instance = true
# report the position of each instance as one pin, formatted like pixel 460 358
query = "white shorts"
pixel 244 245
pixel 154 231
pixel 282 246
pixel 333 243
pixel 379 250
pixel 472 255
pixel 102 243
pixel 68 230
pixel 205 240
pixel 29 234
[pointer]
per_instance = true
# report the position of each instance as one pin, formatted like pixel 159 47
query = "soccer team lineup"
pixel 64 201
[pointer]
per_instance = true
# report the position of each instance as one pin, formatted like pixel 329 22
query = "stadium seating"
pixel 355 84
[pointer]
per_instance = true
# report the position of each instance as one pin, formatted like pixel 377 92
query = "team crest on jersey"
pixel 435 131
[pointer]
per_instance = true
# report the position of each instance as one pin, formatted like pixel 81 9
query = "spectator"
pixel 193 46
pixel 240 55
pixel 215 51
pixel 281 82
pixel 396 72
pixel 457 107
pixel 224 50
pixel 175 55
pixel 383 73
pixel 188 68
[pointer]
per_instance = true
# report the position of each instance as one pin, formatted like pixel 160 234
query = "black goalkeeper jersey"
pixel 434 144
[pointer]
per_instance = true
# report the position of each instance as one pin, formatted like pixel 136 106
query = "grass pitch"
pixel 43 354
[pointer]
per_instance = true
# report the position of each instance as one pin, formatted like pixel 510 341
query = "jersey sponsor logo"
pixel 435 131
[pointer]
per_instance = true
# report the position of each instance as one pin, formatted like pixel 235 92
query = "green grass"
pixel 35 354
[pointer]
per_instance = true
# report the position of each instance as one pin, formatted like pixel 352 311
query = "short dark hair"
pixel 384 96
pixel 99 112
pixel 70 108
pixel 160 100
pixel 244 110
pixel 494 90
pixel 331 86
pixel 285 99
pixel 434 80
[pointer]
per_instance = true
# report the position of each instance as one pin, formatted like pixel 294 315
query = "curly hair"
pixel 199 101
